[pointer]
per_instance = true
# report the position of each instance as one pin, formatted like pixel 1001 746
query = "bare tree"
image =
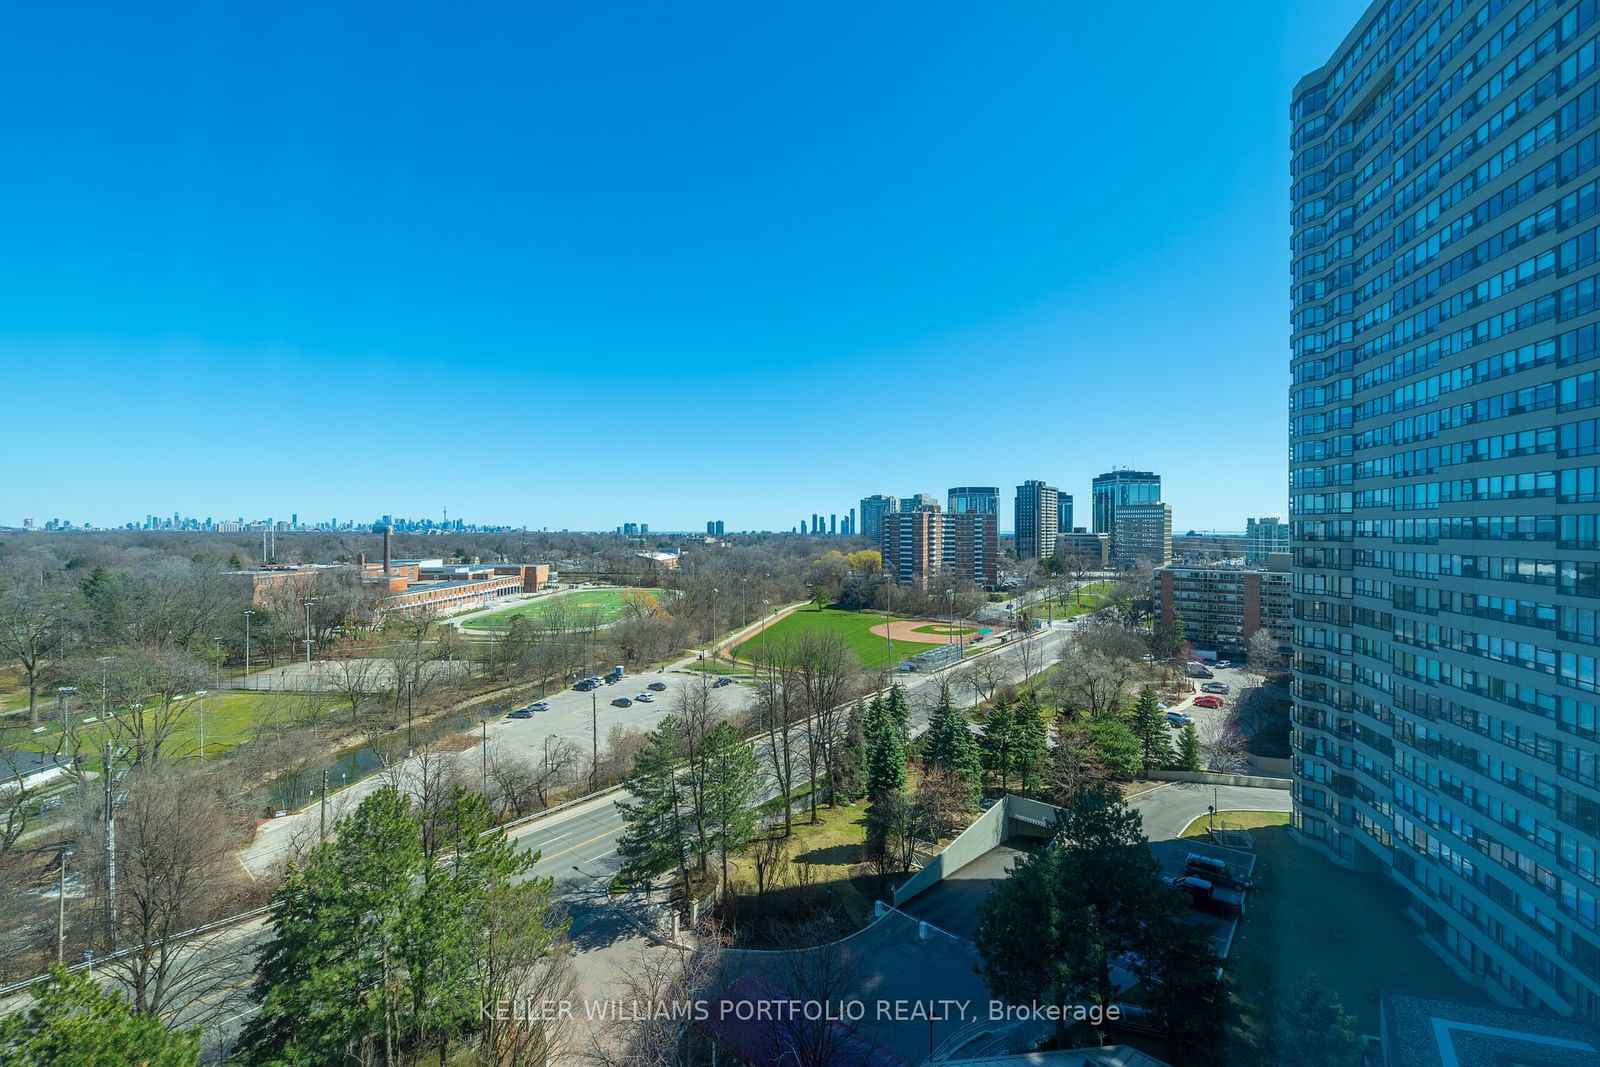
pixel 822 668
pixel 1222 747
pixel 984 675
pixel 520 785
pixel 525 960
pixel 653 980
pixel 769 861
pixel 815 970
pixel 356 679
pixel 31 619
pixel 780 709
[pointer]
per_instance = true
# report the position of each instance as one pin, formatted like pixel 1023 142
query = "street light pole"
pixel 247 614
pixel 594 739
pixel 307 605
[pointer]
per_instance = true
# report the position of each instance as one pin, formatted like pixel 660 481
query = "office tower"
pixel 1086 549
pixel 982 499
pixel 912 544
pixel 1117 488
pixel 918 502
pixel 1143 533
pixel 1064 513
pixel 873 509
pixel 1036 516
pixel 850 523
pixel 971 546
pixel 833 524
pixel 1263 537
pixel 1442 524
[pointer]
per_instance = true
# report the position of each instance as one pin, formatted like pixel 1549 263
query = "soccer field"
pixel 854 627
pixel 608 602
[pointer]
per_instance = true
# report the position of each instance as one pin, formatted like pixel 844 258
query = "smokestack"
pixel 388 550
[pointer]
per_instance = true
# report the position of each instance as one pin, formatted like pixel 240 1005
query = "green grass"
pixel 1307 918
pixel 608 602
pixel 854 627
pixel 228 719
pixel 831 850
pixel 944 629
pixel 1071 605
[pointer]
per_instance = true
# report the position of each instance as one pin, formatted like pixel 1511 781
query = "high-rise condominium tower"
pixel 1037 511
pixel 1443 436
pixel 873 509
pixel 1114 489
pixel 978 499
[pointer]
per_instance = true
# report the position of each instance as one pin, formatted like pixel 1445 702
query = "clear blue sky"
pixel 574 265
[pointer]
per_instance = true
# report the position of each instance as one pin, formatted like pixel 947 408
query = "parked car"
pixel 587 684
pixel 1179 718
pixel 1215 687
pixel 720 682
pixel 1223 663
pixel 659 687
pixel 1208 701
pixel 645 698
pixel 539 705
pixel 622 702
pixel 1199 670
pixel 521 713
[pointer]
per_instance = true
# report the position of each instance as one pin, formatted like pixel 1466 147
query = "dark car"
pixel 622 702
pixel 720 682
pixel 521 713
pixel 660 687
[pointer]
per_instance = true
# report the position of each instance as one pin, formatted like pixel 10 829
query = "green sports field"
pixel 607 602
pixel 854 627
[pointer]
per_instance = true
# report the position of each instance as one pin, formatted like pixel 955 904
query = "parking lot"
pixel 1206 719
pixel 574 716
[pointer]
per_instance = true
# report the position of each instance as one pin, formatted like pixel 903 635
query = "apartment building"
pixel 1037 510
pixel 1116 489
pixel 873 510
pixel 971 546
pixel 1264 537
pixel 1445 311
pixel 1222 605
pixel 912 544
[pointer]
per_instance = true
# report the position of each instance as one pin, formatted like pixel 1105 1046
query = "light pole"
pixel 547 739
pixel 103 661
pixel 744 618
pixel 247 614
pixel 306 603
pixel 594 739
pixel 62 693
pixel 485 724
pixel 61 907
pixel 714 592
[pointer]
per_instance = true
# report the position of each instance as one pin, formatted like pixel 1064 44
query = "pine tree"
pixel 1189 748
pixel 886 775
pixel 1117 747
pixel 1150 727
pixel 850 778
pixel 733 787
pixel 1032 745
pixel 329 977
pixel 74 1021
pixel 655 832
pixel 1318 1029
pixel 950 746
pixel 898 711
pixel 998 739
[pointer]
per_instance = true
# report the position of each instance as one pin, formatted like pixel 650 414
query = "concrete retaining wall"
pixel 1219 779
pixel 1270 766
pixel 974 841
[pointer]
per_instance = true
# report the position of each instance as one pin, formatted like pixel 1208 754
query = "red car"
pixel 1207 701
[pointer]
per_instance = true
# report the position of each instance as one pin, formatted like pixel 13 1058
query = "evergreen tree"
pixel 655 834
pixel 1117 747
pixel 897 709
pixel 951 747
pixel 1189 748
pixel 74 1021
pixel 886 775
pixel 1032 745
pixel 1318 1029
pixel 1074 764
pixel 329 980
pixel 998 740
pixel 732 790
pixel 850 777
pixel 1150 727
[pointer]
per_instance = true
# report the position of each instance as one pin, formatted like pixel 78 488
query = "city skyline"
pixel 274 287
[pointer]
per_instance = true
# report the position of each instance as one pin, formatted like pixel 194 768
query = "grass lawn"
pixel 1071 605
pixel 943 629
pixel 855 627
pixel 1307 918
pixel 608 602
pixel 830 852
pixel 228 718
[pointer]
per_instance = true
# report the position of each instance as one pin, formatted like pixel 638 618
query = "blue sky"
pixel 576 265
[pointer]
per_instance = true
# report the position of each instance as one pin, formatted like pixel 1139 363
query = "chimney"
pixel 388 551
